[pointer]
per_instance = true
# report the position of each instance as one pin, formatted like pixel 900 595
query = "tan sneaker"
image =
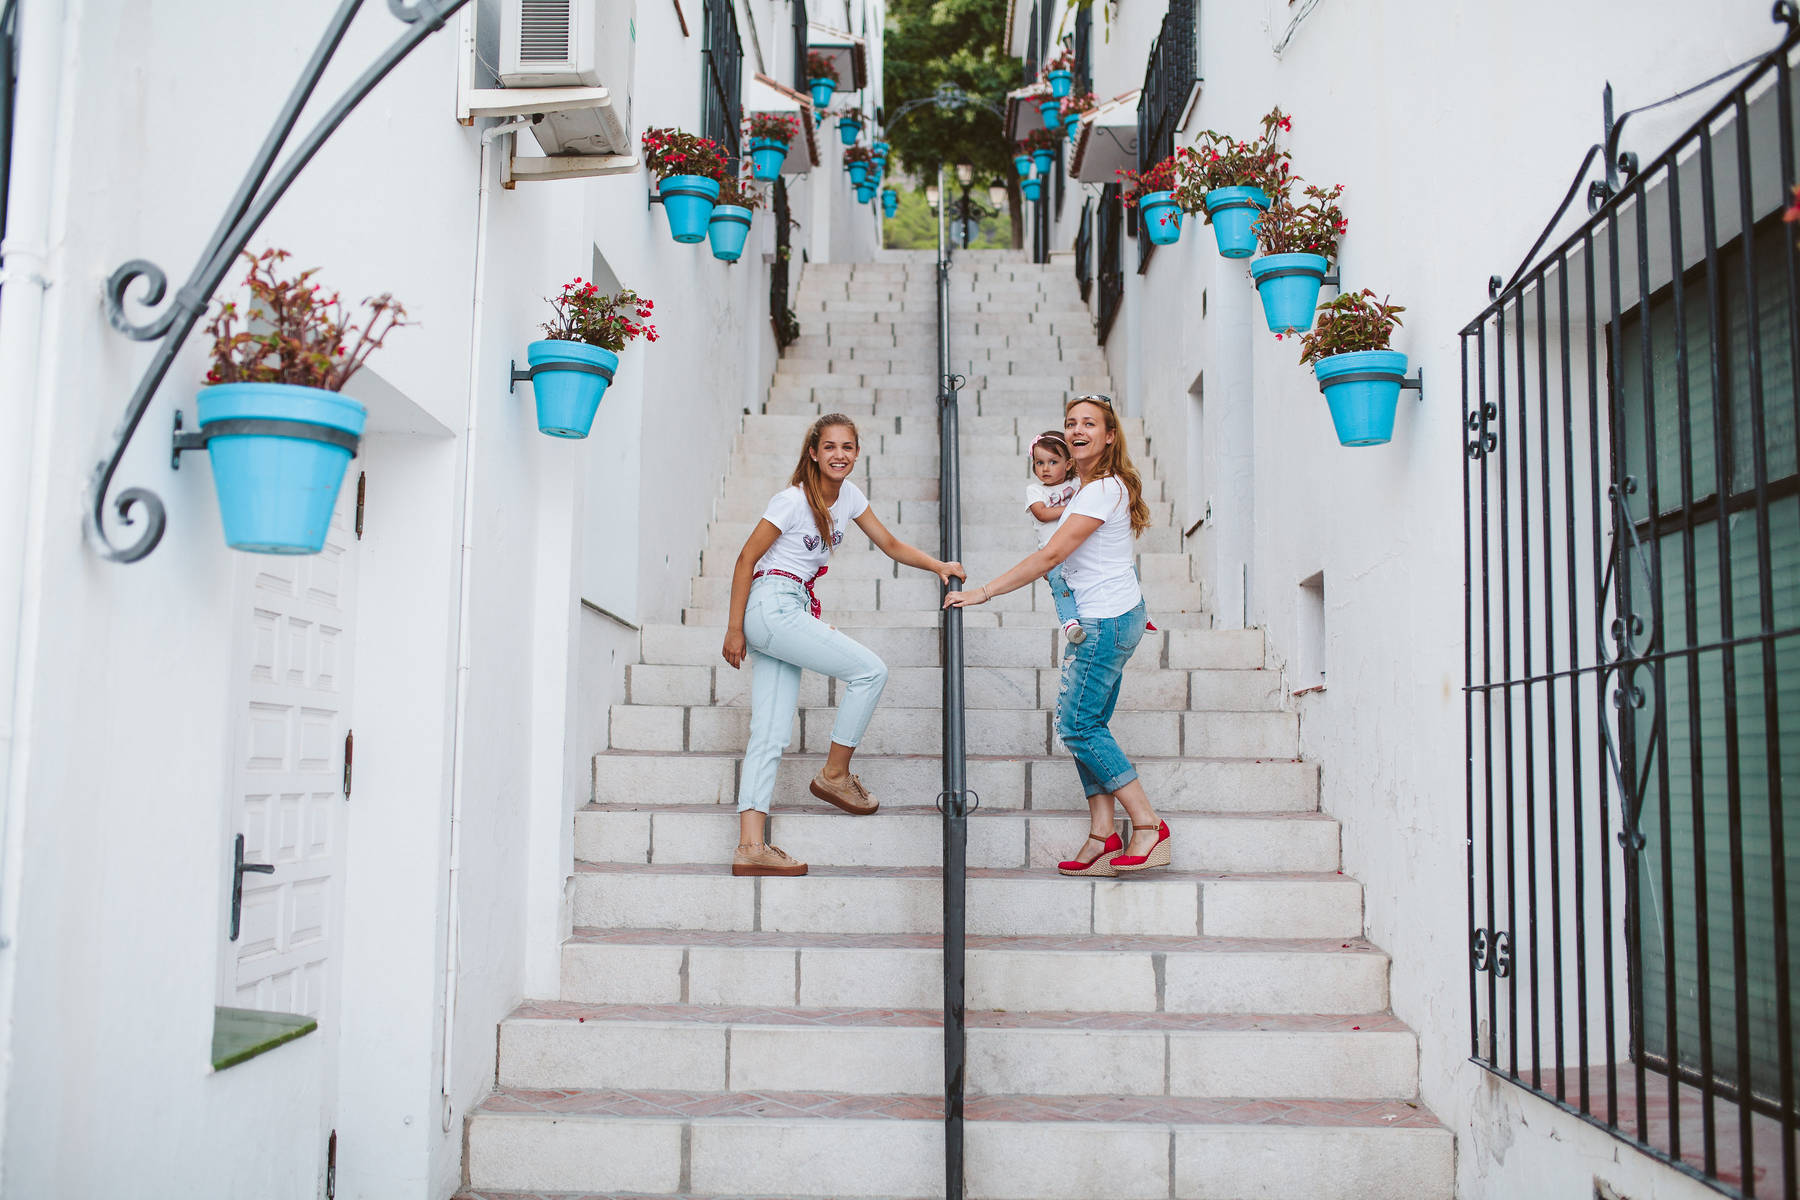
pixel 765 860
pixel 848 794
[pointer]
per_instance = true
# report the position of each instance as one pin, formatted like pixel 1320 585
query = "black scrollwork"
pixel 1478 949
pixel 140 508
pixel 1502 954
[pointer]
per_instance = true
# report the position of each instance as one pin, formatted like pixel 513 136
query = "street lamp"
pixel 969 212
pixel 965 174
pixel 931 196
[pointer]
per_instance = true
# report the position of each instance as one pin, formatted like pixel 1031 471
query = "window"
pixel 9 46
pixel 1084 246
pixel 801 80
pixel 1170 79
pixel 721 76
pixel 1111 266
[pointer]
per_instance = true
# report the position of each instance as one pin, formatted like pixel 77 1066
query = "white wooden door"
pixel 292 698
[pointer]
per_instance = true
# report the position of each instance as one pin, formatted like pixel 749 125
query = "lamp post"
pixel 969 212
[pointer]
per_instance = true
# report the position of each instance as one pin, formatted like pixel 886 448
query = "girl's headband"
pixel 1048 437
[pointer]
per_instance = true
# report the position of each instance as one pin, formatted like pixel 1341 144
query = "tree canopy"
pixel 930 42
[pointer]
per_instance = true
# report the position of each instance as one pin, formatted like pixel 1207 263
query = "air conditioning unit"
pixel 573 43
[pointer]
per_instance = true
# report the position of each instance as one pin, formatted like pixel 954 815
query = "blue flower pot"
pixel 881 150
pixel 688 200
pixel 1052 114
pixel 1289 285
pixel 1160 217
pixel 569 394
pixel 865 194
pixel 822 88
pixel 766 158
pixel 849 129
pixel 1233 211
pixel 1023 163
pixel 1363 389
pixel 1061 83
pixel 729 226
pixel 276 490
pixel 859 171
pixel 1072 126
pixel 890 202
pixel 1031 189
pixel 1043 160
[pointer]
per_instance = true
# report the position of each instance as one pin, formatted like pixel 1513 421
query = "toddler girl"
pixel 1046 498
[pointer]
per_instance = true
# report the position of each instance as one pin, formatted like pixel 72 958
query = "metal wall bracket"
pixel 1331 280
pixel 1416 383
pixel 262 187
pixel 654 198
pixel 244 426
pixel 518 376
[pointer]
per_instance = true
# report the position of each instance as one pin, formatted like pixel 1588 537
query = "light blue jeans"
pixel 785 638
pixel 1062 594
pixel 1092 673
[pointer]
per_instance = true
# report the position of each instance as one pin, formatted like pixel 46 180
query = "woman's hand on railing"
pixel 966 599
pixel 946 571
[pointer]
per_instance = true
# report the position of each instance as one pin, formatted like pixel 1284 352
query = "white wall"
pixel 123 729
pixel 1456 128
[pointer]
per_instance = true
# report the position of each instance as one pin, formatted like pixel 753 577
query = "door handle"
pixel 238 869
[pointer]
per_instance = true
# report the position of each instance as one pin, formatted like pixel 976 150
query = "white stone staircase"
pixel 1218 1030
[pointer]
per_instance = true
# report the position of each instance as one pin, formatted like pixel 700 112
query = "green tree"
pixel 915 227
pixel 930 42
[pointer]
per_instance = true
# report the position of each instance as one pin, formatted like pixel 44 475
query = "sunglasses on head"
pixel 1092 398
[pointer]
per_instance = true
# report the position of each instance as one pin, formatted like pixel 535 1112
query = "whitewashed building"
pixel 400 726
pixel 1459 130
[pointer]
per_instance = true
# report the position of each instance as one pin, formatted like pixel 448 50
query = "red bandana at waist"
pixel 805 583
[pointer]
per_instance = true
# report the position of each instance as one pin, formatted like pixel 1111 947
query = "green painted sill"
pixel 240 1034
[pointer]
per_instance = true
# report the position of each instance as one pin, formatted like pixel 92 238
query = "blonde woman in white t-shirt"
pixel 1093 546
pixel 775 623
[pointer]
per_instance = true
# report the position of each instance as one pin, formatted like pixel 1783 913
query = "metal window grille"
pixel 9 45
pixel 1034 43
pixel 781 315
pixel 1632 582
pixel 802 79
pixel 1110 269
pixel 721 75
pixel 1084 48
pixel 1170 77
pixel 1061 174
pixel 1084 245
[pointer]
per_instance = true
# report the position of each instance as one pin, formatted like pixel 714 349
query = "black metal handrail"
pixel 955 800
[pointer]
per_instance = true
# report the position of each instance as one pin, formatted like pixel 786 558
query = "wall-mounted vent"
pixel 544 30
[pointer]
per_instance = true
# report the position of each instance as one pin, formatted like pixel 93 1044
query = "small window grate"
pixel 544 30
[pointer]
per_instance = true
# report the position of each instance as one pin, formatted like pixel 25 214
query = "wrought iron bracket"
pixel 263 186
pixel 242 426
pixel 1416 384
pixel 526 376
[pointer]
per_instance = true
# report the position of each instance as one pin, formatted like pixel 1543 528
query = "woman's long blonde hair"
pixel 1115 461
pixel 810 480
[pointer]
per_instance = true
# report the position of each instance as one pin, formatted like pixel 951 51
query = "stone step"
pixel 1018 1148
pixel 918 593
pixel 769 474
pixel 1160 597
pixel 911 835
pixel 1000 902
pixel 998 731
pixel 1181 649
pixel 1336 976
pixel 1010 534
pixel 1009 781
pixel 789 430
pixel 732 1048
pixel 1152 689
pixel 1000 547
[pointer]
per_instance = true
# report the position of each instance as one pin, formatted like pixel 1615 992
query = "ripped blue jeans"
pixel 1092 674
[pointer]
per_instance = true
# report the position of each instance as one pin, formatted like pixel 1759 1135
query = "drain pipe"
pixel 464 641
pixel 46 68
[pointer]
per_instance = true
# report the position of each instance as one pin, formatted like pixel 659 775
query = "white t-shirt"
pixel 1055 498
pixel 1100 572
pixel 798 550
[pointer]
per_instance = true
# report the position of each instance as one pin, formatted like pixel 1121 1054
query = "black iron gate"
pixel 1632 569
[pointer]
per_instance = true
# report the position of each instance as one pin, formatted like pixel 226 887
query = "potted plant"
pixel 1022 160
pixel 849 125
pixel 1073 107
pixel 881 153
pixel 1360 376
pixel 1152 192
pixel 1059 73
pixel 890 202
pixel 858 161
pixel 279 434
pixel 689 169
pixel 730 223
pixel 1299 241
pixel 770 135
pixel 574 362
pixel 1232 181
pixel 822 78
pixel 1049 107
pixel 1041 145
